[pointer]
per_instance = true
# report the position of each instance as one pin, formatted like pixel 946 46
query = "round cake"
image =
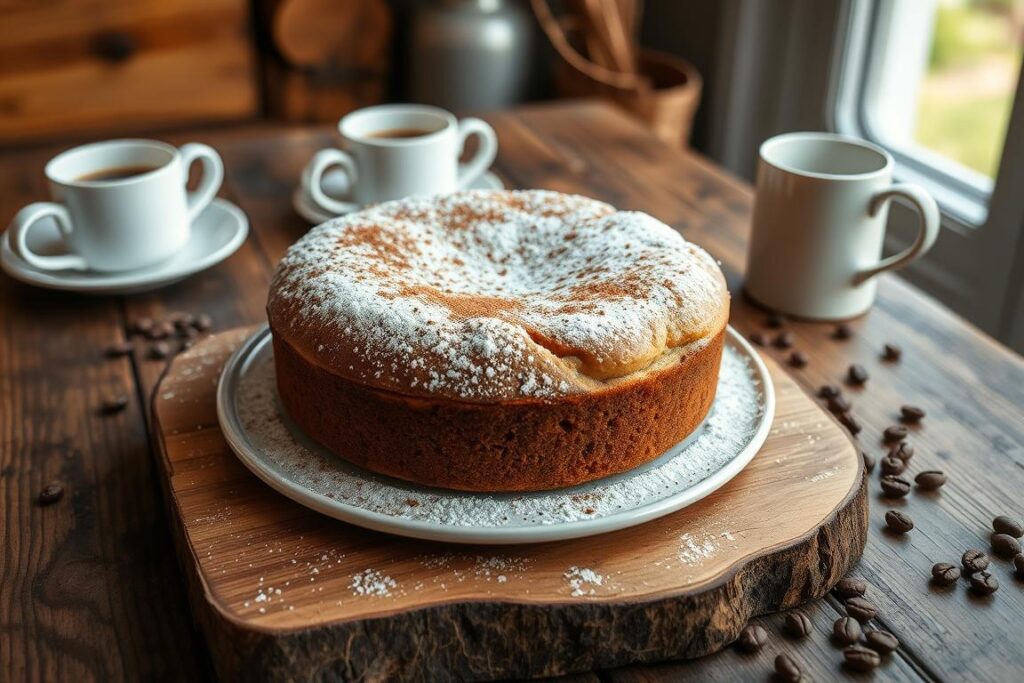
pixel 496 340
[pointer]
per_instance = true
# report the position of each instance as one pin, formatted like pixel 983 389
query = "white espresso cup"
pixel 819 225
pixel 119 204
pixel 399 150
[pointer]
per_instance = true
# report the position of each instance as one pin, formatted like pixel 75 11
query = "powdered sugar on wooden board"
pixel 733 420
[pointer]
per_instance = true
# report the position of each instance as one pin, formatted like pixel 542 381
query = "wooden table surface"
pixel 90 588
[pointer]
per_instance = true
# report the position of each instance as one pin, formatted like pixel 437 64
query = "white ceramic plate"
pixel 336 185
pixel 276 451
pixel 216 234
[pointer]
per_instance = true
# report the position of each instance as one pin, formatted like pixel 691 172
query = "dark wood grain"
pixel 119 554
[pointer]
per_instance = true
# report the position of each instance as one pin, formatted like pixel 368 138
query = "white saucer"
pixel 216 234
pixel 275 450
pixel 336 185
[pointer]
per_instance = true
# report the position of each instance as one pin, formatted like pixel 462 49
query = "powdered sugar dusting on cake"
pixel 734 417
pixel 491 295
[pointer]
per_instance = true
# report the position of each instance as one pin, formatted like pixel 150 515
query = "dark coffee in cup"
pixel 400 133
pixel 115 173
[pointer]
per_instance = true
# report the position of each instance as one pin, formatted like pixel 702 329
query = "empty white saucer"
pixel 216 234
pixel 336 186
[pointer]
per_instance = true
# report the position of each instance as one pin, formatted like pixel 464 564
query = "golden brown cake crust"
pixel 524 445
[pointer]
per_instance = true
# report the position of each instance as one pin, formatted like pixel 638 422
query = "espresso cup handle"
pixel 926 235
pixel 313 175
pixel 213 175
pixel 475 167
pixel 22 224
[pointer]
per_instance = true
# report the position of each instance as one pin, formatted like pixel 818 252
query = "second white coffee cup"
pixel 400 150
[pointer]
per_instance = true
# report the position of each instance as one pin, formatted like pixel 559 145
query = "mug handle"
pixel 475 167
pixel 22 224
pixel 313 174
pixel 213 175
pixel 926 235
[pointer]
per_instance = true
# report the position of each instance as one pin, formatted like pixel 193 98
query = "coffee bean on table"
pixel 851 587
pixel 846 630
pixel 898 522
pixel 142 326
pixel 842 331
pixel 1005 545
pixel 974 560
pixel 752 638
pixel 783 340
pixel 1018 564
pixel 983 583
pixel 798 625
pixel 861 609
pixel 891 352
pixel 53 492
pixel 882 642
pixel 930 480
pixel 838 404
pixel 894 486
pixel 787 669
pixel 911 414
pixel 860 658
pixel 851 423
pixel 856 374
pixel 829 391
pixel 160 331
pixel 798 359
pixel 759 338
pixel 893 465
pixel 183 321
pixel 945 574
pixel 203 322
pixel 159 351
pixel 775 320
pixel 1008 525
pixel 869 462
pixel 894 433
pixel 120 349
pixel 904 451
pixel 114 404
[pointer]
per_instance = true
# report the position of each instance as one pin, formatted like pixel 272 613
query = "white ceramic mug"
pixel 381 168
pixel 125 223
pixel 819 225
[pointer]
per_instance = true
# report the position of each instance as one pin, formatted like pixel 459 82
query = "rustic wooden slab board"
pixel 276 586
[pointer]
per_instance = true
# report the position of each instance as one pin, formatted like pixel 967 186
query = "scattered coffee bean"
pixel 203 322
pixel 775 320
pixel 759 338
pixel 911 414
pixel 894 486
pixel 1008 525
pixel 159 351
pixel 860 658
pixel 945 574
pixel 120 349
pixel 842 331
pixel 160 331
pixel 787 670
pixel 856 374
pixel 893 465
pixel 882 642
pixel 898 522
pixel 783 340
pixel 51 494
pixel 187 344
pixel 752 638
pixel 983 583
pixel 851 423
pixel 869 462
pixel 891 352
pixel 851 587
pixel 798 359
pixel 974 560
pixel 894 433
pixel 142 326
pixel 838 404
pixel 861 609
pixel 829 391
pixel 930 480
pixel 798 625
pixel 1018 564
pixel 846 630
pixel 1005 545
pixel 904 451
pixel 114 404
pixel 183 321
